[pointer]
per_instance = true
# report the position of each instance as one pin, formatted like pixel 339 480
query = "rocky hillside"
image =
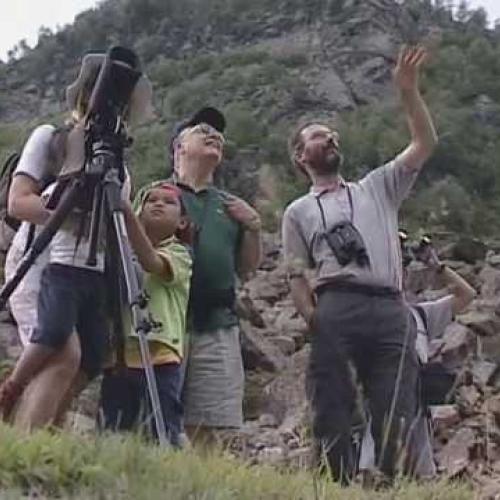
pixel 276 350
pixel 345 44
pixel 268 63
pixel 275 347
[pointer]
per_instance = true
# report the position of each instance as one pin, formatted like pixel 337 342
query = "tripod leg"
pixel 95 225
pixel 139 319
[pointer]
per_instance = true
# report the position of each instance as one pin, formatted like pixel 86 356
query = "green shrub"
pixel 243 127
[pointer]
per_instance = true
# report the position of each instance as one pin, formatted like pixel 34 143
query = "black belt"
pixel 351 287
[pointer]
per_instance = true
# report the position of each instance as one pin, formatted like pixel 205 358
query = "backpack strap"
pixel 57 153
pixel 30 238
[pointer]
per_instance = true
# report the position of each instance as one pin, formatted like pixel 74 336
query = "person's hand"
pixel 428 256
pixel 406 72
pixel 309 318
pixel 243 213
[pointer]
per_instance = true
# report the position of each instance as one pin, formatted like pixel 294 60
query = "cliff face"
pixel 346 47
pixel 269 63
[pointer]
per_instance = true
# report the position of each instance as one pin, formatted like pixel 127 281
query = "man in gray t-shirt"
pixel 346 233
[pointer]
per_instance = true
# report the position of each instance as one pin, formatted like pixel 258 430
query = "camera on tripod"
pixel 114 78
pixel 347 245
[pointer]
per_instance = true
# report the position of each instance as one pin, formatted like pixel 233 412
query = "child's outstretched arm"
pixel 149 258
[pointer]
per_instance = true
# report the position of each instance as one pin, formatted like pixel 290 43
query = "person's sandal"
pixel 10 392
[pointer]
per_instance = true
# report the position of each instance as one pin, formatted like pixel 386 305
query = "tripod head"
pixel 109 91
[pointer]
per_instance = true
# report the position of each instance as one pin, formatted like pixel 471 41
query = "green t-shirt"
pixel 216 245
pixel 168 299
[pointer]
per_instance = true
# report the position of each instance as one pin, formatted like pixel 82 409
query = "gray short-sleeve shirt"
pixel 375 202
pixel 438 315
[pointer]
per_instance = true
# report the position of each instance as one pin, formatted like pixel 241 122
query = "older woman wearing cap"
pixel 47 152
pixel 226 244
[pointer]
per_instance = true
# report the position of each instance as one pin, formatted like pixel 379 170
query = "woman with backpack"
pixel 34 171
pixel 52 376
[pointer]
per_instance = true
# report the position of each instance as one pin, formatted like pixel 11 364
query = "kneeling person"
pixel 155 234
pixel 431 319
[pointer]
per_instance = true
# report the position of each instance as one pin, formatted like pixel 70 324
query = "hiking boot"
pixel 10 392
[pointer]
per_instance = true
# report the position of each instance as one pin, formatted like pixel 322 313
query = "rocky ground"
pixel 275 348
pixel 275 351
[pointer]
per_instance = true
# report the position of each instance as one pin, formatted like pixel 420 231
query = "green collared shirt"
pixel 217 241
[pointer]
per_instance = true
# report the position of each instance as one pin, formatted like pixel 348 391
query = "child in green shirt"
pixel 153 231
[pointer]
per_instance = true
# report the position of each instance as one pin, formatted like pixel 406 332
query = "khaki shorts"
pixel 214 383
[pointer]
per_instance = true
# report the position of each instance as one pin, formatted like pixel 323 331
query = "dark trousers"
pixel 373 335
pixel 125 404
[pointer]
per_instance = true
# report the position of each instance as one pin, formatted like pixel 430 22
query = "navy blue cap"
pixel 209 115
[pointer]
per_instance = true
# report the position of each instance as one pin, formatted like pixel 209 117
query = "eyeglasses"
pixel 203 129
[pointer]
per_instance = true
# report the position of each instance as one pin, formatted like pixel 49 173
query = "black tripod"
pixel 101 180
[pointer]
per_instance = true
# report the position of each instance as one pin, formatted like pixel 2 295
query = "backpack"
pixel 9 225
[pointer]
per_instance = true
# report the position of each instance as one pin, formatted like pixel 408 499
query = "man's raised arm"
pixel 423 134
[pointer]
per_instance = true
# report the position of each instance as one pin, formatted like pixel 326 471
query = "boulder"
pixel 246 309
pixel 286 394
pixel 444 416
pixel 484 323
pixel 330 86
pixel 368 79
pixel 255 400
pixel 483 371
pixel 267 420
pixel 258 352
pixel 490 279
pixel 457 345
pixel 289 321
pixel 454 457
pixel 467 398
pixel 286 344
pixel 466 249
pixel 493 259
pixel 489 348
pixel 78 423
pixel 268 286
pixel 271 251
pixel 271 456
pixel 492 406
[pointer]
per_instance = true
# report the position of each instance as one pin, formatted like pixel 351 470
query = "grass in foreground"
pixel 117 467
